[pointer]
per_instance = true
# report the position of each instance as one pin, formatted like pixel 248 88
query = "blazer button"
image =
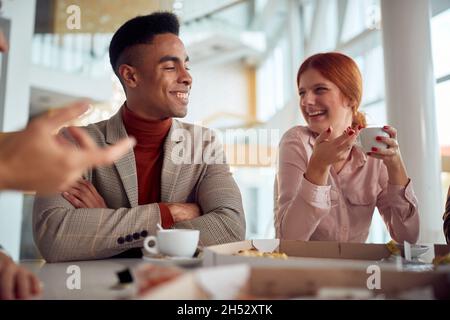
pixel 144 233
pixel 129 238
pixel 120 240
pixel 136 236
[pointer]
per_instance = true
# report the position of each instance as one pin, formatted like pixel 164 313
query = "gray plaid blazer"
pixel 63 233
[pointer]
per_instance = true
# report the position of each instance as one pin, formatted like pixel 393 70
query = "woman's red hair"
pixel 344 73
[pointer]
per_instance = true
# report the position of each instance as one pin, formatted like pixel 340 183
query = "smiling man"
pixel 111 211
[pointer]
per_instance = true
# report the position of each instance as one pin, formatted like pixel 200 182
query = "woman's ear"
pixel 128 75
pixel 346 101
pixel 351 103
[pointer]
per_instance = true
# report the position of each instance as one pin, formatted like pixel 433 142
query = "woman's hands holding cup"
pixel 391 156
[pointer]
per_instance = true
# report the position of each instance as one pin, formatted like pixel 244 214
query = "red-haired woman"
pixel 327 188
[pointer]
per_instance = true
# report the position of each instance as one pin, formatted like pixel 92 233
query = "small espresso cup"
pixel 173 242
pixel 368 139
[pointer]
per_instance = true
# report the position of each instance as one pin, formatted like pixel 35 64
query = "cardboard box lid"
pixel 301 254
pixel 288 282
pixel 323 249
pixel 334 250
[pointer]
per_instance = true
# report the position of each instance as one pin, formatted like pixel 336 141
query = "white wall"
pixel 218 88
pixel 73 85
pixel 286 118
pixel 16 108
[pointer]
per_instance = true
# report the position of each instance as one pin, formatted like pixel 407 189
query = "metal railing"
pixel 83 54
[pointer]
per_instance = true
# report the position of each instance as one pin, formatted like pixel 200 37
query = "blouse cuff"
pixel 316 196
pixel 404 192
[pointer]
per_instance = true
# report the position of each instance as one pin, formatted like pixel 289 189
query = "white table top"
pixel 98 278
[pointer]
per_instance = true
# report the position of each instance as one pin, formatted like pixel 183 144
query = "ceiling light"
pixel 178 5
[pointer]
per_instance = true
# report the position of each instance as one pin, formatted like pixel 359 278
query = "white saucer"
pixel 416 250
pixel 174 261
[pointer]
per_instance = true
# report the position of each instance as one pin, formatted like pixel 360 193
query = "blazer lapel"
pixel 126 165
pixel 174 154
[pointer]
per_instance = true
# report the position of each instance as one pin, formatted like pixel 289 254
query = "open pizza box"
pixel 250 282
pixel 314 254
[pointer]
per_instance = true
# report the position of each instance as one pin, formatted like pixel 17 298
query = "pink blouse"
pixel 342 210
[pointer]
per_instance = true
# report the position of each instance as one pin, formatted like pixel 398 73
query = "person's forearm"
pixel 3 179
pixel 223 218
pixel 398 206
pixel 6 181
pixel 3 251
pixel 397 173
pixel 223 225
pixel 4 135
pixel 317 174
pixel 301 212
pixel 402 220
pixel 3 169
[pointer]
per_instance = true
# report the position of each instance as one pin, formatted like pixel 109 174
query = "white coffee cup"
pixel 368 137
pixel 173 242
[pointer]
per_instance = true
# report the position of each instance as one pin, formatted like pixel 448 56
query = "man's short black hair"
pixel 140 30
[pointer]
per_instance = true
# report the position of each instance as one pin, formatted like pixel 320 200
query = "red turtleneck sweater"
pixel 148 152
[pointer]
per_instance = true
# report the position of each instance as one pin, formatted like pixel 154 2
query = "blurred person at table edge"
pixel 447 218
pixel 35 159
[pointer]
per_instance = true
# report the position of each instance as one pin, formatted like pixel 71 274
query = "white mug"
pixel 368 140
pixel 173 242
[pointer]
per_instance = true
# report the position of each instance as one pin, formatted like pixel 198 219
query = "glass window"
pixel 308 13
pixel 442 93
pixel 440 35
pixel 265 92
pixel 359 16
pixel 375 113
pixel 256 185
pixel 329 39
pixel 259 5
pixel 278 81
pixel 272 77
pixel 373 75
pixel 371 66
pixel 378 232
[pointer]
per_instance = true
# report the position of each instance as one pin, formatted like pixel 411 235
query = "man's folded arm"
pixel 63 233
pixel 220 200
